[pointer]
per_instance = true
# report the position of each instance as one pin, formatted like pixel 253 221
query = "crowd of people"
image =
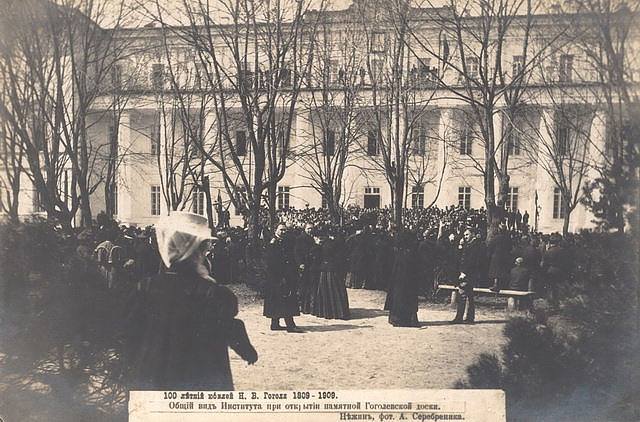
pixel 310 260
pixel 309 264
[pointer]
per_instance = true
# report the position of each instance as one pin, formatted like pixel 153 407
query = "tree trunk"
pixel 565 222
pixel 398 201
pixel 207 195
pixel 271 203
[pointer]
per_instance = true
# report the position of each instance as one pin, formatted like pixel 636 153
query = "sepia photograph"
pixel 348 204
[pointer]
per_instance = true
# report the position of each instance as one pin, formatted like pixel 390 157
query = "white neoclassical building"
pixel 356 62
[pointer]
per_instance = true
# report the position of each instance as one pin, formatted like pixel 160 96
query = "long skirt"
pixel 331 299
pixel 355 280
pixel 308 290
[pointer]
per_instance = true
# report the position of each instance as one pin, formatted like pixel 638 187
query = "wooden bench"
pixel 511 295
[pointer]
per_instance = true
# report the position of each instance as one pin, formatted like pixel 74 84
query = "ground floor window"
pixel 417 197
pixel 464 197
pixel 283 197
pixel 371 197
pixel 155 200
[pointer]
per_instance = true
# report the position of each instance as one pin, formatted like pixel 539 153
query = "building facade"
pixel 363 105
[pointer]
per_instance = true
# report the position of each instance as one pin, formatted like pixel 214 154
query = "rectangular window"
pixel 111 135
pixel 157 76
pixel 371 197
pixel 466 141
pixel 565 72
pixel 512 199
pixel 283 149
pixel 116 76
pixel 38 203
pixel 472 67
pixel 558 204
pixel 285 77
pixel 198 201
pixel 372 143
pixel 417 197
pixel 329 142
pixel 464 197
pixel 514 139
pixel 283 197
pixel 333 72
pixel 241 143
pixel 3 142
pixel 419 141
pixel 154 135
pixel 563 134
pixel 378 41
pixel 377 70
pixel 199 76
pixel 517 66
pixel 155 200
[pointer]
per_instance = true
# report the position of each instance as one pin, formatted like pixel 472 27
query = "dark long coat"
pixel 500 259
pixel 179 332
pixel 472 258
pixel 281 288
pixel 402 298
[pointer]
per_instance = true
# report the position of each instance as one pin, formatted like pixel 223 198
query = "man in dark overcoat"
pixel 280 293
pixel 472 256
pixel 499 251
pixel 303 255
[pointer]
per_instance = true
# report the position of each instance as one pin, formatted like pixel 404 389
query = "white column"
pixel 445 153
pixel 544 185
pixel 125 169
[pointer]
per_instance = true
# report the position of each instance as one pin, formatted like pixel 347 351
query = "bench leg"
pixel 454 298
pixel 512 303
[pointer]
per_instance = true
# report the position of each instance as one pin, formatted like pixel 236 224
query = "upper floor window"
pixel 563 139
pixel 154 135
pixel 565 72
pixel 372 143
pixel 466 141
pixel 116 76
pixel 514 138
pixel 559 208
pixel 473 67
pixel 377 70
pixel 378 42
pixel 419 141
pixel 157 76
pixel 329 146
pixel 517 65
pixel 241 143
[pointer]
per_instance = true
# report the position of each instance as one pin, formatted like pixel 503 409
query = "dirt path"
pixel 365 351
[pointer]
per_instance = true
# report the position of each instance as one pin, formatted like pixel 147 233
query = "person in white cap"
pixel 185 321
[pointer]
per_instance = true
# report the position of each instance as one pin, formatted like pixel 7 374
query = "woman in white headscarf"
pixel 185 320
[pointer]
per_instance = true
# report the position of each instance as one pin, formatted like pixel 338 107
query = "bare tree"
pixel 56 66
pixel 254 59
pixel 471 49
pixel 603 33
pixel 400 99
pixel 332 112
pixel 561 147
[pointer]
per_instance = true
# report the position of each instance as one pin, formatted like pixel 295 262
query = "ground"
pixel 365 352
